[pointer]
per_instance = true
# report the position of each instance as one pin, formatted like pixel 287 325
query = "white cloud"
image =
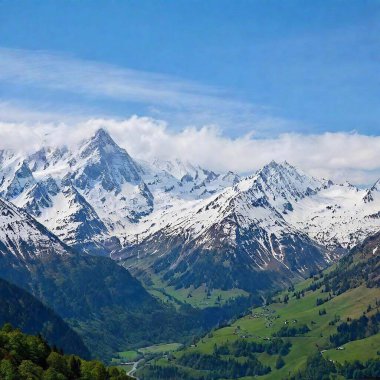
pixel 340 156
pixel 22 112
pixel 161 95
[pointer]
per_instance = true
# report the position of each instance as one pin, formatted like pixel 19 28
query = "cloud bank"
pixel 339 156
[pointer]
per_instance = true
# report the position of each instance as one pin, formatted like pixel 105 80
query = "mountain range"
pixel 185 224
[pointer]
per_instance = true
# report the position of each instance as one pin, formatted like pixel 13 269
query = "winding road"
pixel 133 369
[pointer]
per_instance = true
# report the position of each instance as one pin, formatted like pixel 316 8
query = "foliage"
pixel 291 331
pixel 112 311
pixel 29 357
pixel 33 317
pixel 249 336
pixel 357 329
pixel 207 268
pixel 155 372
pixel 317 367
pixel 243 348
pixel 358 370
pixel 280 362
pixel 359 267
pixel 221 368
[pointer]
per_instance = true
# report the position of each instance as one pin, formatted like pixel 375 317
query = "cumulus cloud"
pixel 339 156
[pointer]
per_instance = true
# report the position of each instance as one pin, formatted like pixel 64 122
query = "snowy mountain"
pixel 91 196
pixel 23 237
pixel 278 220
pixel 186 223
pixel 229 239
pixel 338 215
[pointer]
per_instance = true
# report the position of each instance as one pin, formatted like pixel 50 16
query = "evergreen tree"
pixel 280 362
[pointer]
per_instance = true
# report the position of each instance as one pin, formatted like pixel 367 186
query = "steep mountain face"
pixel 101 160
pixel 75 221
pixel 278 220
pixel 22 237
pixel 278 223
pixel 77 287
pixel 111 181
pixel 84 195
pixel 27 313
pixel 15 175
pixel 191 181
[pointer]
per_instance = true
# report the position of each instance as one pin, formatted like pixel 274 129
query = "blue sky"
pixel 264 66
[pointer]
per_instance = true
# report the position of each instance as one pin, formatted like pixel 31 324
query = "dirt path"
pixel 134 369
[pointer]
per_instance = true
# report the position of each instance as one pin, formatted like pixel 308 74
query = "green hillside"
pixel 296 329
pixel 31 316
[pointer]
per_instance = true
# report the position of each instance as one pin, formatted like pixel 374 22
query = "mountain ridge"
pixel 100 200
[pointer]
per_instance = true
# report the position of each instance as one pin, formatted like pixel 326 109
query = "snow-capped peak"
pixel 177 168
pixel 101 160
pixel 285 175
pixel 23 179
pixel 101 143
pixel 280 183
pixel 102 137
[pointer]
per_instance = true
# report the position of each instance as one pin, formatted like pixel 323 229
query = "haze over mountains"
pixel 184 223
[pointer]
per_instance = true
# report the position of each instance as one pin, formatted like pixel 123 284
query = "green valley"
pixel 343 300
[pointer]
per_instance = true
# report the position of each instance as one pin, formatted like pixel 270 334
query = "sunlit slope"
pixel 342 293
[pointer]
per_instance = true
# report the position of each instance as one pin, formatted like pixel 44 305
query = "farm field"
pixel 160 348
pixel 199 298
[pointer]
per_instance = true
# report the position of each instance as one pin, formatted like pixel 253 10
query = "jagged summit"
pixel 274 168
pixel 100 142
pixel 102 160
pixel 280 183
pixel 21 179
pixel 177 168
pixel 275 165
pixel 102 137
